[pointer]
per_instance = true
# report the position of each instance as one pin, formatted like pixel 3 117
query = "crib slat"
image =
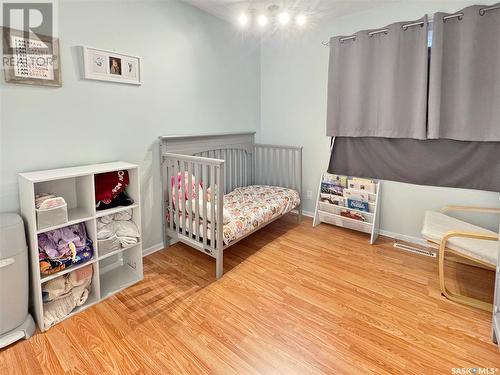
pixel 277 172
pixel 204 204
pixel 169 194
pixel 240 168
pixel 190 200
pixel 182 197
pixel 196 230
pixel 295 154
pixel 230 169
pixel 219 204
pixel 212 206
pixel 234 156
pixel 264 161
pixel 245 168
pixel 175 211
pixel 235 168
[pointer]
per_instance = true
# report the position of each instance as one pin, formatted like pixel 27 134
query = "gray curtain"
pixel 377 85
pixel 464 90
pixel 440 162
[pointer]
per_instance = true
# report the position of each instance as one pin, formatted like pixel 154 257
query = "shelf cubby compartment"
pixel 92 235
pixel 93 297
pixel 105 247
pixel 78 192
pixel 120 270
pixel 132 191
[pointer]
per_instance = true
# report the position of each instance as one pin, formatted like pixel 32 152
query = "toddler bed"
pixel 218 189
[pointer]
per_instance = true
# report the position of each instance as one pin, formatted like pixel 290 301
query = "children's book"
pixel 334 189
pixel 362 184
pixel 355 195
pixel 335 179
pixel 332 199
pixel 358 205
pixel 352 215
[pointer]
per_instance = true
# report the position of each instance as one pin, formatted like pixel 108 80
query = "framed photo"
pixel 111 66
pixel 31 59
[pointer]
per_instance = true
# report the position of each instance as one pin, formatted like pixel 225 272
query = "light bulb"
pixel 243 19
pixel 300 20
pixel 283 18
pixel 262 20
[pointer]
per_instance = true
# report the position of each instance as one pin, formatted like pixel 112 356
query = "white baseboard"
pixel 152 249
pixel 386 233
pixel 403 237
pixel 308 213
pixel 305 213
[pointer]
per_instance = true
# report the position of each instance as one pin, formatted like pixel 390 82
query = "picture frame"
pixel 31 59
pixel 105 65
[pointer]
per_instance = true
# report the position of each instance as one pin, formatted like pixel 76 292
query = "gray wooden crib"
pixel 222 162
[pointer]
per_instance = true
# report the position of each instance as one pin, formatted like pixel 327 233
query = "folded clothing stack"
pixel 45 201
pixel 110 190
pixel 62 294
pixel 60 248
pixel 117 230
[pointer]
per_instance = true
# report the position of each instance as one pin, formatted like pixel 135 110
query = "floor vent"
pixel 414 249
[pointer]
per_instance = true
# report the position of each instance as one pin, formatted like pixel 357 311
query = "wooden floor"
pixel 294 300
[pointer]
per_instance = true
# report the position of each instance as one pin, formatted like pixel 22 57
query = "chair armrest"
pixel 471 209
pixel 473 235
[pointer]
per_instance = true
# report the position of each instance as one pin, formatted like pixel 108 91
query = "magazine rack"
pixel 331 213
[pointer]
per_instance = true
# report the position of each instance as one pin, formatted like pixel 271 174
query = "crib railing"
pixel 238 165
pixel 194 202
pixel 278 166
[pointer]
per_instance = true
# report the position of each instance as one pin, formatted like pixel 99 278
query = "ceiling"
pixel 230 9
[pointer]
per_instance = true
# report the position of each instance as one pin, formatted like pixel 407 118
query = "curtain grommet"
pixel 482 12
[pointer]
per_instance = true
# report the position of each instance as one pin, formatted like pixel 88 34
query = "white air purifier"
pixel 15 321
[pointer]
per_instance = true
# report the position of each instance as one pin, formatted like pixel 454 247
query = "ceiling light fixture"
pixel 262 20
pixel 243 19
pixel 283 18
pixel 300 20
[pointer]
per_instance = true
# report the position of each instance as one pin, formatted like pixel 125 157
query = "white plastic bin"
pixel 108 245
pixel 50 217
pixel 15 322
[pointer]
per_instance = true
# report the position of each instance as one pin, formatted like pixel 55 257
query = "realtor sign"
pixel 30 50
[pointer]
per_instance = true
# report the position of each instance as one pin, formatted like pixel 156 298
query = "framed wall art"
pixel 111 66
pixel 31 59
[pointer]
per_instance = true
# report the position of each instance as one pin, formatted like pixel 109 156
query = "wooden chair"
pixel 464 243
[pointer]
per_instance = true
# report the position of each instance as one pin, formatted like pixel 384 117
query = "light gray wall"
pixel 293 111
pixel 200 76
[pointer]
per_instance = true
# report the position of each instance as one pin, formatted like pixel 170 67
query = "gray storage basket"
pixel 50 217
pixel 108 245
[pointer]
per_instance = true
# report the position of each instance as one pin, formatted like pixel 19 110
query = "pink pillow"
pixel 186 186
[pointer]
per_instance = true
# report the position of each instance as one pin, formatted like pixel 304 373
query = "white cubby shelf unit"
pixel 113 270
pixel 329 213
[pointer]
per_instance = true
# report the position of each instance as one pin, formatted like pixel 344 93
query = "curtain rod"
pixel 458 15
